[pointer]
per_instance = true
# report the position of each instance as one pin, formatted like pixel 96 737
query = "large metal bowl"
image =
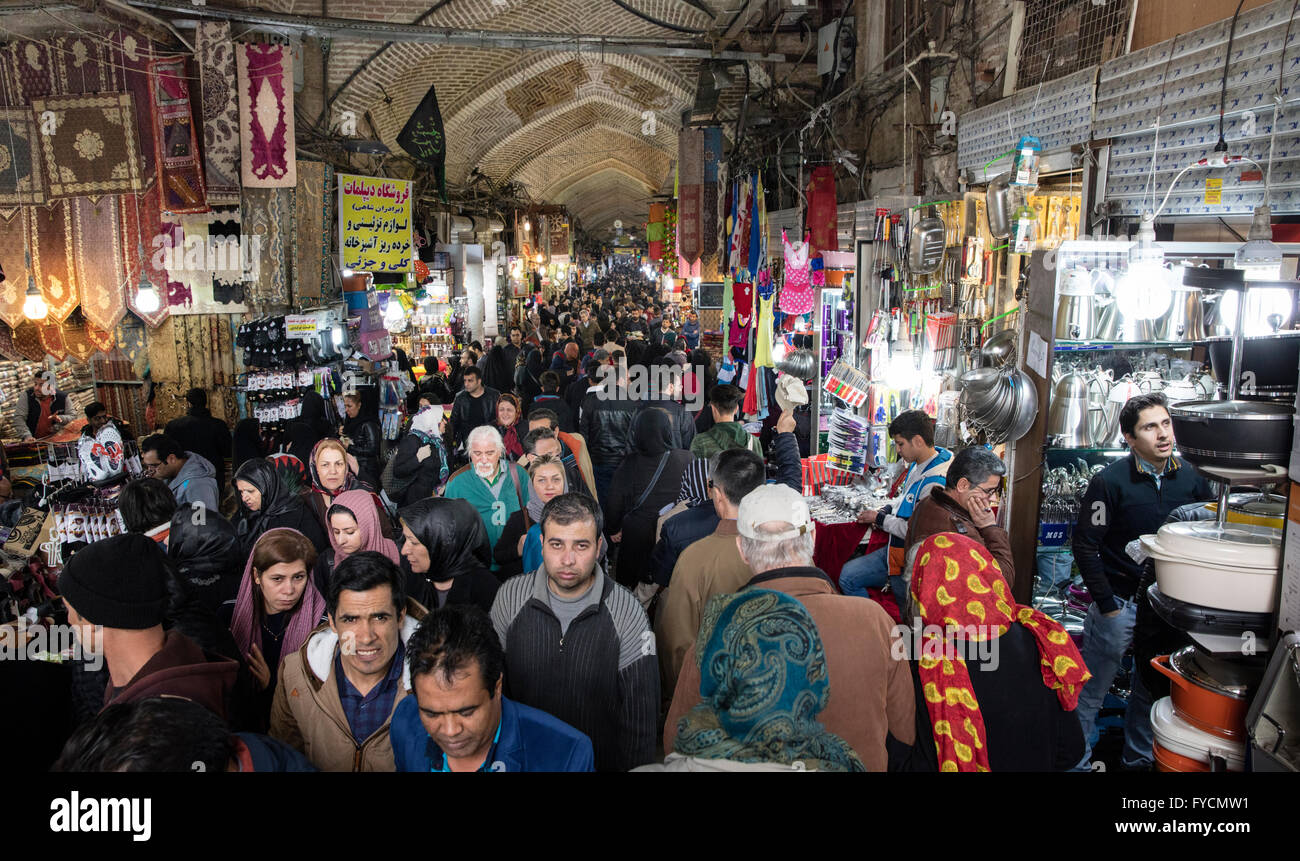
pixel 1026 407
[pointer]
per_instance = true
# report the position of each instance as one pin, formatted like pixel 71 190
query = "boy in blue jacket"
pixel 459 720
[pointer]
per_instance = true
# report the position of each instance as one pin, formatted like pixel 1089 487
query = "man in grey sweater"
pixel 190 476
pixel 578 645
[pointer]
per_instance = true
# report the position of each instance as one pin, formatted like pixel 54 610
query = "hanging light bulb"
pixel 541 258
pixel 1260 257
pixel 528 225
pixel 1143 292
pixel 146 297
pixel 34 307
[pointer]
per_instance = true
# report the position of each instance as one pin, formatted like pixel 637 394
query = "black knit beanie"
pixel 120 582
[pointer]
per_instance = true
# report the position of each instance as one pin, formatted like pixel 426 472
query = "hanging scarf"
pixel 957 583
pixel 536 503
pixel 293 473
pixel 362 506
pixel 763 681
pixel 306 616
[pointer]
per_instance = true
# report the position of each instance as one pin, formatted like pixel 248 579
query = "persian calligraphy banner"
pixel 375 224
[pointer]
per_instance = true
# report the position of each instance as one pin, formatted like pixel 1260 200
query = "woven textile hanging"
pixel 266 124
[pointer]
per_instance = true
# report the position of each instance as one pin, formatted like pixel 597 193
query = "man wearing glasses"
pixel 964 505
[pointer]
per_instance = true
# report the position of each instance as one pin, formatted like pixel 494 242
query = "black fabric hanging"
pixel 423 138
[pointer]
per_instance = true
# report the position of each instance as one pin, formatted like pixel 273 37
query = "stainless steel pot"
pixel 1107 322
pixel 1233 434
pixel 1186 318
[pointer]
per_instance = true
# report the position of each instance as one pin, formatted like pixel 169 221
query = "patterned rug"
pixel 13 289
pixel 93 149
pixel 27 341
pixel 215 53
pixel 19 182
pixel 99 259
pixel 176 146
pixel 311 229
pixel 52 255
pixel 266 124
pixel 264 220
pixel 51 335
pixel 7 348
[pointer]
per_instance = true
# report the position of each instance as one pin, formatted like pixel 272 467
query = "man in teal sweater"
pixel 492 484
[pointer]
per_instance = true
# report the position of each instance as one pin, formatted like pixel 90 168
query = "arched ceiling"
pixel 595 132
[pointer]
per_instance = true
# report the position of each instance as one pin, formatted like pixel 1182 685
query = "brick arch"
pixel 604 195
pixel 504 157
pixel 552 165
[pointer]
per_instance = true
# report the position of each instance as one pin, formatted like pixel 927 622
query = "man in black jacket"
pixel 1127 499
pixel 600 674
pixel 550 399
pixel 475 406
pixel 606 425
pixel 198 431
pixel 661 386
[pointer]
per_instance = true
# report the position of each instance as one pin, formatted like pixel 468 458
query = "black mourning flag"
pixel 423 138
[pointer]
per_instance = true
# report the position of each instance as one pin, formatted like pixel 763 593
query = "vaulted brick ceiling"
pixel 567 126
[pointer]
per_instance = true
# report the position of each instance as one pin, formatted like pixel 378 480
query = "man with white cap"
pixel 871 697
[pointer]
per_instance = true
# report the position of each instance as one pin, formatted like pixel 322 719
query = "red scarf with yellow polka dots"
pixel 959 587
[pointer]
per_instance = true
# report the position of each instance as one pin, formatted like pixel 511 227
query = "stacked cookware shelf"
pixel 1218 580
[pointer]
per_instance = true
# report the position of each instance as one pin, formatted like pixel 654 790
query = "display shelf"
pixel 1085 346
pixel 1088 450
pixel 119 382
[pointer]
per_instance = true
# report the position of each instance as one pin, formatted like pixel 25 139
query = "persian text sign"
pixel 375 224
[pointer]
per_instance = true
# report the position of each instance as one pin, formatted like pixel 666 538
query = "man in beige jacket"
pixel 336 695
pixel 871 695
pixel 710 566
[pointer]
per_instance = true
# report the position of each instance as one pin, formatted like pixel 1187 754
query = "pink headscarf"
pixel 305 619
pixel 362 505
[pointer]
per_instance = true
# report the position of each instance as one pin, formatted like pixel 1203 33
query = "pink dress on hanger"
pixel 797 294
pixel 743 302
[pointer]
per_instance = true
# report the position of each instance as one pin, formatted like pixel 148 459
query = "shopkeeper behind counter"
pixel 42 408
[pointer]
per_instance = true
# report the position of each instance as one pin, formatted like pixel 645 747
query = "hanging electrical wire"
pixel 657 22
pixel 1222 145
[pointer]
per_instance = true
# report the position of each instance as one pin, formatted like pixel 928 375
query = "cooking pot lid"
pixel 1234 409
pixel 1229 678
pixel 1178 736
pixel 1242 545
pixel 1268 504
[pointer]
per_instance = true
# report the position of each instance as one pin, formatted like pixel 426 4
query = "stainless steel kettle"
pixel 1068 418
pixel 1186 318
pixel 1074 307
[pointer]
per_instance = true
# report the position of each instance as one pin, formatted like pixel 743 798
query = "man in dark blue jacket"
pixel 1127 499
pixel 459 720
pixel 701 519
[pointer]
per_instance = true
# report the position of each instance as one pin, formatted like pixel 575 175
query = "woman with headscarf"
pixel 646 482
pixel 763 681
pixel 447 555
pixel 509 417
pixel 310 427
pixel 353 527
pixel 420 465
pixel 361 435
pixel 206 555
pixel 247 442
pixel 499 371
pixel 265 504
pixel 333 471
pixel 519 548
pixel 278 606
pixel 996 682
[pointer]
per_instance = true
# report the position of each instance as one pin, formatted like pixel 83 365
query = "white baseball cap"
pixel 770 503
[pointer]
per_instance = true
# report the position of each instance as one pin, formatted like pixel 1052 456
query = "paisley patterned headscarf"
pixel 763 682
pixel 957 584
